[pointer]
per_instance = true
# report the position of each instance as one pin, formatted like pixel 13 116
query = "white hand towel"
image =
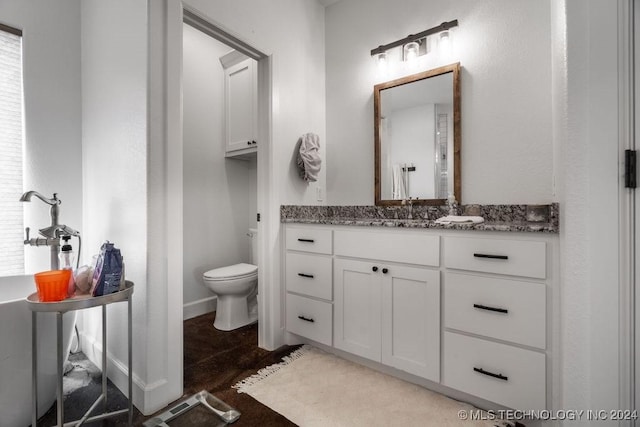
pixel 456 219
pixel 308 158
pixel 398 189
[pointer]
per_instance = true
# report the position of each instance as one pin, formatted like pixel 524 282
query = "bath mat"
pixel 314 388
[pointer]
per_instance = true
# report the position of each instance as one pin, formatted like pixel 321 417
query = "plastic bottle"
pixel 67 257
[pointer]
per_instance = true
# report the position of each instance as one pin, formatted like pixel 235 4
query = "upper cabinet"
pixel 241 108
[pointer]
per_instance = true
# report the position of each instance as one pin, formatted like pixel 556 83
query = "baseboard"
pixel 148 398
pixel 199 307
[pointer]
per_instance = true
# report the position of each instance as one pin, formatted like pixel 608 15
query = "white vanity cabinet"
pixel 469 310
pixel 495 311
pixel 386 299
pixel 308 275
pixel 389 313
pixel 241 108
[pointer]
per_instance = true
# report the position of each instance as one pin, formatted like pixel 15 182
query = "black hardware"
pixel 484 307
pixel 491 374
pixel 258 217
pixel 385 270
pixel 248 142
pixel 409 169
pixel 630 168
pixel 253 142
pixel 374 268
pixel 306 319
pixel 306 240
pixel 491 256
pixel 310 276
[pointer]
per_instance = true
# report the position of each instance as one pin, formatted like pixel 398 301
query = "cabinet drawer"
pixel 309 275
pixel 309 318
pixel 509 310
pixel 500 373
pixel 513 257
pixel 315 240
pixel 410 247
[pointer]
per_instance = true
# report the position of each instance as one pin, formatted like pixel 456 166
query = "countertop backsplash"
pixel 527 218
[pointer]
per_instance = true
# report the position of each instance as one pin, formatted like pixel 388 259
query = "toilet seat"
pixel 231 272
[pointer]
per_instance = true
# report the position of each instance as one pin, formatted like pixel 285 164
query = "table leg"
pixel 104 355
pixel 60 370
pixel 129 308
pixel 34 369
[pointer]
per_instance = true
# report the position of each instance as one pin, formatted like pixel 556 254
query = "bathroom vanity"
pixel 467 307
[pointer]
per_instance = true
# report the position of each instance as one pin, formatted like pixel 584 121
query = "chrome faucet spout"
pixel 53 202
pixel 26 197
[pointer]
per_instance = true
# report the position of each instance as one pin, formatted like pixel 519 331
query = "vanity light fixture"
pixel 414 41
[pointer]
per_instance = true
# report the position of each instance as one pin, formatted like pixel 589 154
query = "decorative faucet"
pixel 409 202
pixel 52 233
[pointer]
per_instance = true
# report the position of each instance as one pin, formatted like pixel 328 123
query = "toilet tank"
pixel 253 234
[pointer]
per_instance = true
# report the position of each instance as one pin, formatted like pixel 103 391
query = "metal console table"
pixel 61 307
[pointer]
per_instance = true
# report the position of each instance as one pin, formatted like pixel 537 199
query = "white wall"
pixel 219 193
pixel 115 158
pixel 586 131
pixel 52 113
pixel 293 32
pixel 504 50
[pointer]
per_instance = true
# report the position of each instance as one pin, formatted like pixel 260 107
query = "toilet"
pixel 236 287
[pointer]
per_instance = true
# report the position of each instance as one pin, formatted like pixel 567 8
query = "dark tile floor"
pixel 213 361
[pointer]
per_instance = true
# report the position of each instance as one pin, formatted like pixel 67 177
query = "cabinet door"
pixel 411 320
pixel 357 307
pixel 241 105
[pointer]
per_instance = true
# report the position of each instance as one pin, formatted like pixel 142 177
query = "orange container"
pixel 52 285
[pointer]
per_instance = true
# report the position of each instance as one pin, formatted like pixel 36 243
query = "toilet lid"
pixel 236 271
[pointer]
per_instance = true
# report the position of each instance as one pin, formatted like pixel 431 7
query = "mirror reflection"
pixel 418 138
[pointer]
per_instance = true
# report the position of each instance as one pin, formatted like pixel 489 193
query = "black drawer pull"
pixel 491 256
pixel 310 276
pixel 491 374
pixel 497 310
pixel 306 240
pixel 306 319
pixel 385 270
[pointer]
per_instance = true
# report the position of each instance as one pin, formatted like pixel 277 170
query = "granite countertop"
pixel 511 218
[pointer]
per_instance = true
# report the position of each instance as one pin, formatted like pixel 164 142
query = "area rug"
pixel 314 388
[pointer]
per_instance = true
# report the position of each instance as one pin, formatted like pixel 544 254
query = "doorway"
pixel 253 170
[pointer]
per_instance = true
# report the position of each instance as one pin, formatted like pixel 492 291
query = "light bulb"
pixel 381 60
pixel 445 41
pixel 411 51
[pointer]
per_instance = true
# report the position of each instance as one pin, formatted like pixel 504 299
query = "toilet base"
pixel 233 313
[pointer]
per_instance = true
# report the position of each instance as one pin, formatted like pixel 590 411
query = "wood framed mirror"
pixel 417 138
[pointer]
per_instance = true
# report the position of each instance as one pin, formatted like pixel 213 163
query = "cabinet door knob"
pixel 374 268
pixel 385 270
pixel 248 142
pixel 253 142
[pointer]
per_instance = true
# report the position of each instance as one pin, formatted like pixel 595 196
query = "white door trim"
pixel 626 221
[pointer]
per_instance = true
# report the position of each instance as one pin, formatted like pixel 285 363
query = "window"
pixel 11 147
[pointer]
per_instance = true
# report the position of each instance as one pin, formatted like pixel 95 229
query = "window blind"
pixel 11 153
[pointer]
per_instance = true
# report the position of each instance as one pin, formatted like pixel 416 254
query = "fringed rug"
pixel 314 388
